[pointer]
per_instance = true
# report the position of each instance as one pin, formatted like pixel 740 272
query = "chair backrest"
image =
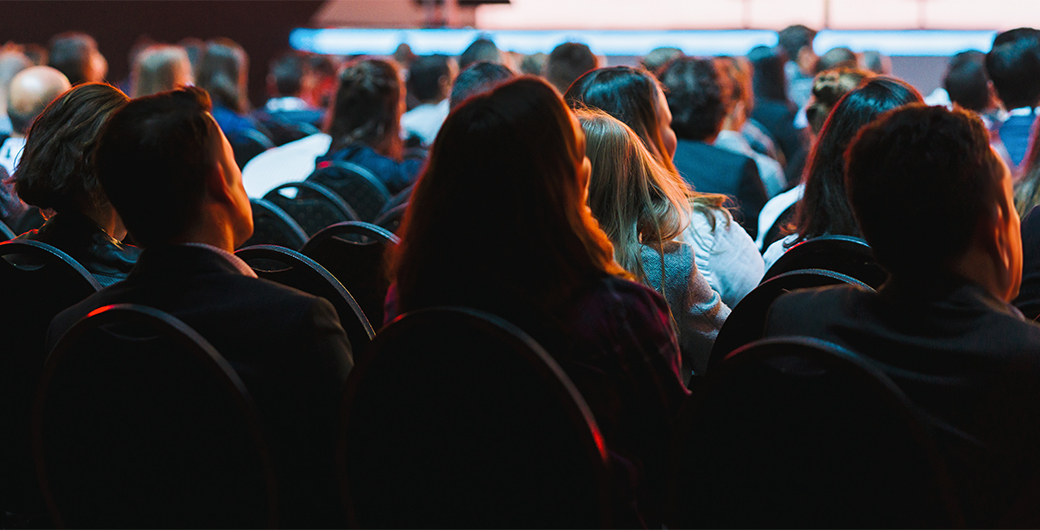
pixel 456 418
pixel 775 231
pixel 797 432
pixel 311 205
pixel 139 422
pixel 6 232
pixel 391 219
pixel 38 282
pixel 355 253
pixel 247 143
pixel 273 226
pixel 362 190
pixel 848 255
pixel 290 268
pixel 746 323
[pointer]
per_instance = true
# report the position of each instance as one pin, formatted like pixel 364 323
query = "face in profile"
pixel 1011 232
pixel 665 123
pixel 241 211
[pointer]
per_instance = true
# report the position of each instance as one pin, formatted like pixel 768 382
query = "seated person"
pixel 934 202
pixel 287 114
pixel 429 80
pixel 56 174
pixel 223 72
pixel 171 174
pixel 480 77
pixel 158 68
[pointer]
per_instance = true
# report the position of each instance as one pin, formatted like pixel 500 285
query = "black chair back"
pixel 140 423
pixel 747 321
pixel 391 219
pixel 38 282
pixel 247 143
pixel 311 205
pixel 292 269
pixel 799 433
pixel 273 226
pixel 362 190
pixel 848 255
pixel 456 418
pixel 6 232
pixel 775 231
pixel 355 253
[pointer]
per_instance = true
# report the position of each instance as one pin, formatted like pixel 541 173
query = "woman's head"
pixel 634 97
pixel 159 68
pixel 368 107
pixel 499 215
pixel 631 195
pixel 828 88
pixel 223 71
pixel 56 171
pixel 824 208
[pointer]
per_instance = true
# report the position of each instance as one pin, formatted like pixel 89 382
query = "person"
pixel 365 124
pixel 800 61
pixel 158 68
pixel 287 115
pixel 12 61
pixel 478 78
pixel 30 92
pixel 835 58
pixel 567 62
pixel 933 200
pixel 543 264
pixel 481 49
pixel 429 80
pixel 644 212
pixel 658 57
pixel 223 72
pixel 774 110
pixel 170 173
pixel 57 175
pixel 726 256
pixel 1013 65
pixel 76 56
pixel 824 208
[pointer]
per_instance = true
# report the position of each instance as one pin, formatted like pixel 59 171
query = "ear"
pixel 997 241
pixel 218 187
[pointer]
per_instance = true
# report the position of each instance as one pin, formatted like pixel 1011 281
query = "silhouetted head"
pixel 368 107
pixel 568 62
pixel 223 71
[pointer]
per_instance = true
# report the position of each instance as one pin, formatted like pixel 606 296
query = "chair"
pixel 295 270
pixel 746 323
pixel 311 205
pixel 272 226
pixel 848 255
pixel 6 232
pixel 140 423
pixel 434 433
pixel 362 190
pixel 391 219
pixel 799 433
pixel 355 253
pixel 775 231
pixel 247 143
pixel 38 282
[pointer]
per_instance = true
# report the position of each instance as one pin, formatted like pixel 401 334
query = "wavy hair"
pixel 368 107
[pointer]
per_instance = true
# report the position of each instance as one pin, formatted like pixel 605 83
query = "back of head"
pixel 480 77
pixel 159 68
pixel 152 160
pixel 824 208
pixel 735 75
pixel 30 92
pixel 659 57
pixel 875 62
pixel 930 169
pixel 793 38
pixel 769 79
pixel 287 73
pixel 57 166
pixel 839 57
pixel 568 62
pixel 696 97
pixel 966 81
pixel 222 71
pixel 482 49
pixel 76 55
pixel 1014 67
pixel 428 76
pixel 11 62
pixel 368 107
pixel 533 64
pixel 504 172
pixel 828 88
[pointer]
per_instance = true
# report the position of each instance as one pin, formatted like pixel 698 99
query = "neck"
pixel 210 229
pixel 108 220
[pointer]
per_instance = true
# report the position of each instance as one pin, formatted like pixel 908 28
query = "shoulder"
pixel 802 311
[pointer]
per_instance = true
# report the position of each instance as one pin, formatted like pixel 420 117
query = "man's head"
pixel 1014 67
pixel 168 170
pixel 482 49
pixel 797 43
pixel 840 57
pixel 930 195
pixel 695 96
pixel 568 62
pixel 76 55
pixel 430 78
pixel 11 62
pixel 479 78
pixel 966 81
pixel 30 92
pixel 289 74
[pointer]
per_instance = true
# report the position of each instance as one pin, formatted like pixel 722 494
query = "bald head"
pixel 31 91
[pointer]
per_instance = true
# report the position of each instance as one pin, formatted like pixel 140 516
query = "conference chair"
pixel 358 186
pixel 311 205
pixel 848 255
pixel 273 226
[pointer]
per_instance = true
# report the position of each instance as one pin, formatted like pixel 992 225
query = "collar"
pixel 286 104
pixel 234 260
pixel 1022 111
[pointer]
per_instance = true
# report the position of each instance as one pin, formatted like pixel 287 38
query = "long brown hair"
pixel 368 107
pixel 498 219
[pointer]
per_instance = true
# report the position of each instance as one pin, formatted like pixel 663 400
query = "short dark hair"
pixel 287 71
pixel 152 161
pixel 840 57
pixel 1014 68
pixel 695 97
pixel 424 76
pixel 920 181
pixel 482 49
pixel 793 38
pixel 479 78
pixel 70 53
pixel 966 81
pixel 568 62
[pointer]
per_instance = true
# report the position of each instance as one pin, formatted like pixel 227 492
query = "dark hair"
pixel 695 96
pixel 793 38
pixel 425 74
pixel 568 62
pixel 839 57
pixel 222 72
pixel 659 57
pixel 511 158
pixel 828 88
pixel 480 77
pixel 1014 68
pixel 966 81
pixel 1010 35
pixel 367 109
pixel 769 80
pixel 288 71
pixel 482 49
pixel 71 54
pixel 56 170
pixel 824 208
pixel 152 161
pixel 920 181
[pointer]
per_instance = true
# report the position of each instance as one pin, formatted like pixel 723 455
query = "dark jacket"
pixel 710 169
pixel 395 175
pixel 80 237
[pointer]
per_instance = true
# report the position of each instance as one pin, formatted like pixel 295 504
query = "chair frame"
pixel 781 265
pixel 335 200
pixel 364 174
pixel 53 252
pixel 281 214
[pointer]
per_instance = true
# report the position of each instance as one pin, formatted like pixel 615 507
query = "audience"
pixel 76 56
pixel 158 68
pixel 478 78
pixel 934 202
pixel 57 174
pixel 568 62
pixel 170 173
pixel 30 92
pixel 800 66
pixel 644 213
pixel 774 110
pixel 429 80
pixel 289 80
pixel 1013 65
